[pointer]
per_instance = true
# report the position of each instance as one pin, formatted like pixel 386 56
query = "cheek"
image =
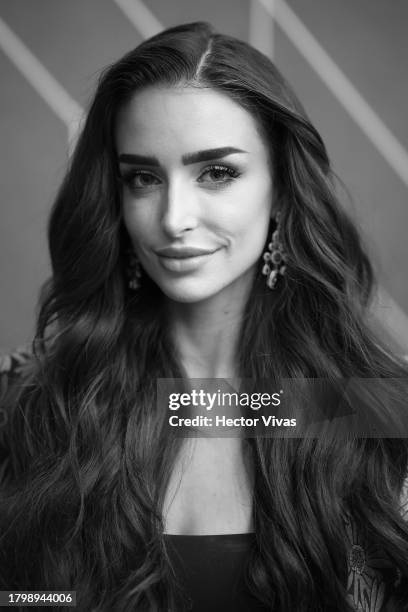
pixel 251 236
pixel 250 215
pixel 137 219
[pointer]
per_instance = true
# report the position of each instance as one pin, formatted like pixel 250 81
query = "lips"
pixel 183 252
pixel 184 260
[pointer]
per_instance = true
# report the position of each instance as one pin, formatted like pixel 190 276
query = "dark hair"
pixel 89 454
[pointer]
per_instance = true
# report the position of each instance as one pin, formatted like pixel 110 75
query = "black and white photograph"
pixel 204 305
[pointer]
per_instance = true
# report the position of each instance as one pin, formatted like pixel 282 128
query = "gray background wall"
pixel 74 40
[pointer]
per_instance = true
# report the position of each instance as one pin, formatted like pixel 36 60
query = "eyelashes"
pixel 220 169
pixel 139 179
pixel 214 176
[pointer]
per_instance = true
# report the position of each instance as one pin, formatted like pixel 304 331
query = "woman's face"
pixel 197 189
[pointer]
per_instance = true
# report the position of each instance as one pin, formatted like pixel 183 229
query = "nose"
pixel 180 213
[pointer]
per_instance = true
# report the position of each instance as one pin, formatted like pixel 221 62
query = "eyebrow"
pixel 188 158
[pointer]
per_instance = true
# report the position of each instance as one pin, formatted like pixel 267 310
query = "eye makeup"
pixel 138 179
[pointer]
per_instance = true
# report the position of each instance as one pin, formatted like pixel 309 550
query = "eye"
pixel 218 174
pixel 140 179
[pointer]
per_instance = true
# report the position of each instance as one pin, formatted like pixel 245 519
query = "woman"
pixel 197 234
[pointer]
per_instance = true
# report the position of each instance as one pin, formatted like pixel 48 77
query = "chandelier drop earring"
pixel 133 270
pixel 274 258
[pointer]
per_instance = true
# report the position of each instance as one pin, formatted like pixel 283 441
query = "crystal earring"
pixel 275 258
pixel 133 270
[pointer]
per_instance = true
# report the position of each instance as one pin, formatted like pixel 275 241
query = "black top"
pixel 210 570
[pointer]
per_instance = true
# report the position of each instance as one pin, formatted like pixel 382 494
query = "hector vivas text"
pixel 228 404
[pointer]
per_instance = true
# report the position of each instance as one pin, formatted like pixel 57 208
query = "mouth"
pixel 183 252
pixel 186 260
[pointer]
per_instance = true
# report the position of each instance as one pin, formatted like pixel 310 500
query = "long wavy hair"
pixel 89 456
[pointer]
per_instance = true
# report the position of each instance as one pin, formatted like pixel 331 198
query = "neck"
pixel 206 333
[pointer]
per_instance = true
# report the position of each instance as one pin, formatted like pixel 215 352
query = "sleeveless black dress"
pixel 210 570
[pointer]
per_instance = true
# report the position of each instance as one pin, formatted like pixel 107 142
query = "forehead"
pixel 184 119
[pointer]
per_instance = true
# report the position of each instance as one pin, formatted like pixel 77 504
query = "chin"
pixel 187 297
pixel 189 292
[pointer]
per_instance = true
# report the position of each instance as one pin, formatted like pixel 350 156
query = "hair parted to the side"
pixel 89 454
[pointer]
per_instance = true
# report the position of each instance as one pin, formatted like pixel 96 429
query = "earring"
pixel 133 270
pixel 275 258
